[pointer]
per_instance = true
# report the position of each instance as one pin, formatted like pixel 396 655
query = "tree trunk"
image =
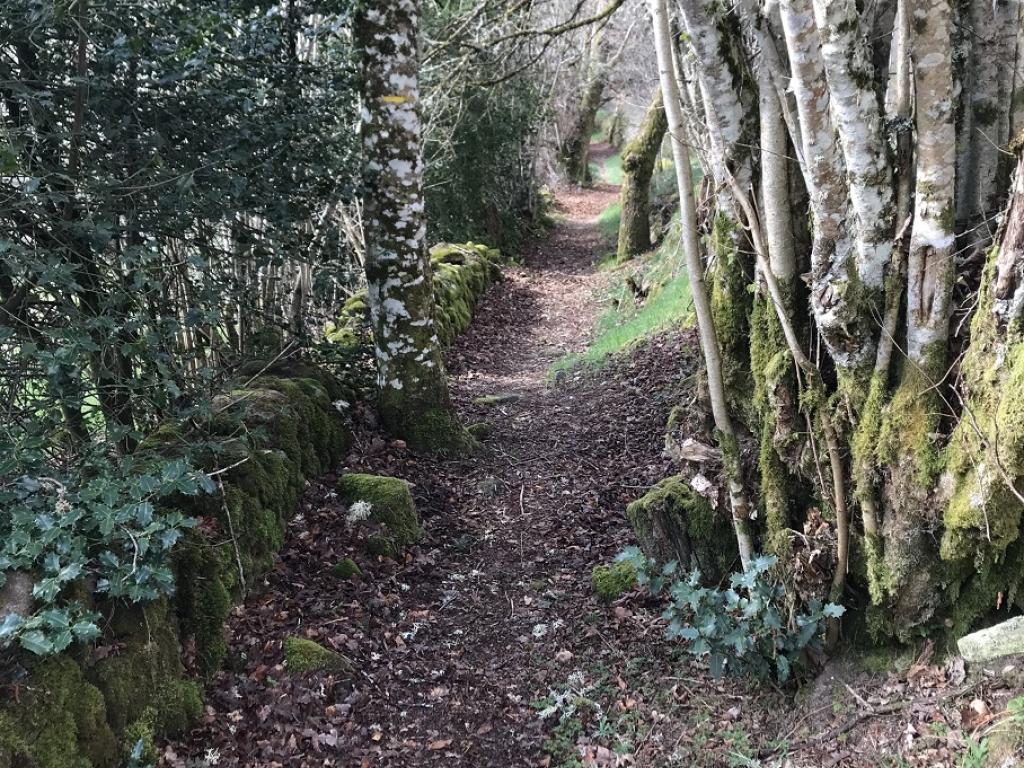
pixel 637 169
pixel 695 271
pixel 843 329
pixel 576 148
pixel 858 118
pixel 413 400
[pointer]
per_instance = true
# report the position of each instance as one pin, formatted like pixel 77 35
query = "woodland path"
pixel 493 610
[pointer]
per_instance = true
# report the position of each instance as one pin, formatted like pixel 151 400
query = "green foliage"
pixel 103 527
pixel 480 136
pixel 740 630
pixel 162 166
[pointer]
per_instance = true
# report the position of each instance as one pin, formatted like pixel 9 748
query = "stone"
pixel 503 398
pixel 1005 639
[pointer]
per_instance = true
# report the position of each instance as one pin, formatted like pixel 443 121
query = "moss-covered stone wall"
pixel 88 709
pixel 462 274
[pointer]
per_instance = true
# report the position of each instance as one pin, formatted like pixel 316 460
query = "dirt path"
pixel 486 646
pixel 493 609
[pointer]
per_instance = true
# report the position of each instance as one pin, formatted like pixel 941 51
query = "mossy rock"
pixel 674 522
pixel 611 581
pixel 59 722
pixel 303 655
pixel 391 506
pixel 346 569
pixel 503 398
pixel 462 273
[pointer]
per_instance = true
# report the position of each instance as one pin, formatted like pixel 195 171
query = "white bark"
pixel 722 108
pixel 775 205
pixel 930 262
pixel 858 118
pixel 833 254
pixel 695 270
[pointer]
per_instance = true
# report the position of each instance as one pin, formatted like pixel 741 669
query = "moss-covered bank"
pixel 87 709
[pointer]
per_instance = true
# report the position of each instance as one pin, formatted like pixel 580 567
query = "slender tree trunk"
pixel 637 168
pixel 413 402
pixel 695 271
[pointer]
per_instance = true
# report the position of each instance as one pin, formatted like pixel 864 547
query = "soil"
pixel 486 645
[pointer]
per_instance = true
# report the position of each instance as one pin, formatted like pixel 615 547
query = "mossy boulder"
pixel 674 522
pixel 346 569
pixel 303 655
pixel 610 581
pixel 391 506
pixel 479 431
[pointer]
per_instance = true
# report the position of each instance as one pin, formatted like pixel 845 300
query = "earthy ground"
pixel 486 646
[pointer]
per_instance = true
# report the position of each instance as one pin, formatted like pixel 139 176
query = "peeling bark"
pixel 723 111
pixel 833 253
pixel 930 264
pixel 858 118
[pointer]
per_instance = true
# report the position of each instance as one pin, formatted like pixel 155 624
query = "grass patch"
pixel 608 222
pixel 611 173
pixel 626 322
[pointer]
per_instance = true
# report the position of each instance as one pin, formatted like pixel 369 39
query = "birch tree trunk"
pixel 695 271
pixel 858 117
pixel 984 124
pixel 637 169
pixel 909 441
pixel 833 253
pixel 413 398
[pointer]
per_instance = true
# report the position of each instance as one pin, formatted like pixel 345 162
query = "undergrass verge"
pixel 631 318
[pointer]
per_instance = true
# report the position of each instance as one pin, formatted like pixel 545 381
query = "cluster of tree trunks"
pixel 857 165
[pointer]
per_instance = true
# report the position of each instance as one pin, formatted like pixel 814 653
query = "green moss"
pixel 730 309
pixel 346 569
pixel 910 423
pixel 500 399
pixel 142 730
pixel 146 672
pixel 479 431
pixel 302 655
pixel 59 722
pixel 610 581
pixel 434 429
pixel 205 576
pixel 391 506
pixel 673 522
pixel 462 273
